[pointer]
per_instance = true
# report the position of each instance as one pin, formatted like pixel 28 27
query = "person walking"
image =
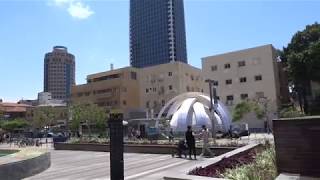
pixel 171 136
pixel 191 142
pixel 205 138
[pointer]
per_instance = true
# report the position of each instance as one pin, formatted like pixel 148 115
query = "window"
pixel 169 73
pixel 229 100
pixel 241 63
pixel 229 81
pixel 124 102
pixel 227 66
pixel 154 89
pixel 243 96
pixel 188 89
pixel 147 104
pixel 258 77
pixel 243 79
pixel 214 68
pixel 163 102
pixel 216 83
pixel 133 75
pixel 230 97
pixel 147 90
pixel 170 87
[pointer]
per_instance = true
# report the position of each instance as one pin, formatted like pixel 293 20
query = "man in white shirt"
pixel 205 138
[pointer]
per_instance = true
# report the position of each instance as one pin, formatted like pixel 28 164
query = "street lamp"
pixel 213 93
pixel 210 82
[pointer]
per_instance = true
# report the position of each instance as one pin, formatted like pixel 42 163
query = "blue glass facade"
pixel 157 32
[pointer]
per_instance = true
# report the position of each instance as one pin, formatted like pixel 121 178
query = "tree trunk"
pixel 300 99
pixel 89 129
pixel 305 93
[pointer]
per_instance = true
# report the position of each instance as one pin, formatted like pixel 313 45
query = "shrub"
pixel 290 112
pixel 263 168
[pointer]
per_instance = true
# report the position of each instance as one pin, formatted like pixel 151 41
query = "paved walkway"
pixel 96 165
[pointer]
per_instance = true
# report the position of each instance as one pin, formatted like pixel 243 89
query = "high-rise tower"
pixel 157 32
pixel 59 73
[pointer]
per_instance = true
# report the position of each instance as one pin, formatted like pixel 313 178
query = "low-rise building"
pixel 15 110
pixel 115 90
pixel 160 83
pixel 248 74
pixel 139 92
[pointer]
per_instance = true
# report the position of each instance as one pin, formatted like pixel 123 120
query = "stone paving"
pixel 84 165
pixel 96 165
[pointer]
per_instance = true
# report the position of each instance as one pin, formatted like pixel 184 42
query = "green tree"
pixel 302 56
pixel 245 107
pixel 259 106
pixel 12 125
pixel 1 114
pixel 44 116
pixel 88 114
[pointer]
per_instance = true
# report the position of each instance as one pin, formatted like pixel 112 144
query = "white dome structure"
pixel 192 108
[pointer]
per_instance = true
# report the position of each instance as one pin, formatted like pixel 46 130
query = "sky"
pixel 97 33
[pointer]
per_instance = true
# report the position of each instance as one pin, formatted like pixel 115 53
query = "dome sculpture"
pixel 193 108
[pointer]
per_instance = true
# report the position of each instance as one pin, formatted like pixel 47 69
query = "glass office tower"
pixel 157 32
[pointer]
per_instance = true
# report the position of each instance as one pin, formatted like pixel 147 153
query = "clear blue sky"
pixel 97 33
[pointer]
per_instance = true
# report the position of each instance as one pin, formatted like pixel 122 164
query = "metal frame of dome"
pixel 192 108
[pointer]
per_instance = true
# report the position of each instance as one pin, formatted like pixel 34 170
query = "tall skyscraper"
pixel 157 32
pixel 59 73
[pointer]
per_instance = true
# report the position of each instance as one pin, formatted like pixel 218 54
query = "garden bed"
pixel 133 148
pixel 257 163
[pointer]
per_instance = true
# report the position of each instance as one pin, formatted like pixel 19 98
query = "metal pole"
pixel 116 147
pixel 210 89
pixel 211 106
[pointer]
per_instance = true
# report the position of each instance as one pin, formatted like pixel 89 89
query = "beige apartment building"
pixel 160 83
pixel 139 92
pixel 116 90
pixel 250 73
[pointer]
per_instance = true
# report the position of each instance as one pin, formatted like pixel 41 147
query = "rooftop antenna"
pixel 111 66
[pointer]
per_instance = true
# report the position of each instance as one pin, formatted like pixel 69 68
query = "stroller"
pixel 180 149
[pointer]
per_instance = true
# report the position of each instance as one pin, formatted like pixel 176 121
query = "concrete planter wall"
pixel 297 145
pixel 15 169
pixel 133 148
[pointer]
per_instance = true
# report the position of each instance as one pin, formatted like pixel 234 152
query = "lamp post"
pixel 213 93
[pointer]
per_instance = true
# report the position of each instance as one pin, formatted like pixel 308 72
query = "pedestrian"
pixel 171 135
pixel 205 138
pixel 138 134
pixel 191 143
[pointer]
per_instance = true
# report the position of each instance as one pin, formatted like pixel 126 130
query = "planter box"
pixel 134 148
pixel 19 168
pixel 297 145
